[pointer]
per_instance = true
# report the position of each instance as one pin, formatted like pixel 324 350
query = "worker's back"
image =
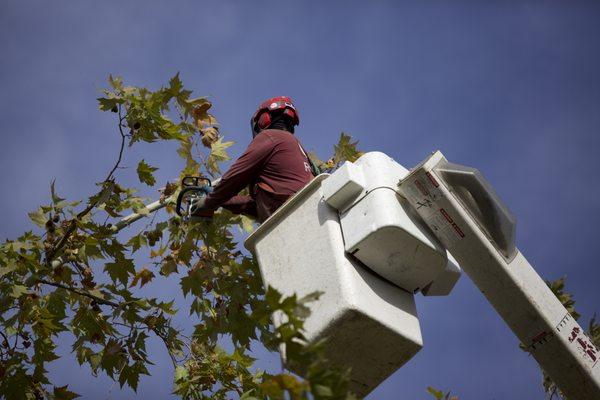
pixel 286 168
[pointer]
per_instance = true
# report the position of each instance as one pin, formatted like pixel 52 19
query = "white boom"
pixel 464 213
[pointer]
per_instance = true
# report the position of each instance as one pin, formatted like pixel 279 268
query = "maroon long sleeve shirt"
pixel 274 166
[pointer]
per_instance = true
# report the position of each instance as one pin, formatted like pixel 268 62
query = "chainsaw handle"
pixel 197 181
pixel 189 189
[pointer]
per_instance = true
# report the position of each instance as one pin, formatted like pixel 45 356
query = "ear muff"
pixel 292 114
pixel 264 120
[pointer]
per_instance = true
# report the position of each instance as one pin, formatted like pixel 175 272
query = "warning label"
pixel 569 328
pixel 443 229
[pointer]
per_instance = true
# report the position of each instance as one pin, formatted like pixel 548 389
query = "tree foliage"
pixel 76 274
pixel 593 331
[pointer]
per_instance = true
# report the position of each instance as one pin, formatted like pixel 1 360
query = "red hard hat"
pixel 262 118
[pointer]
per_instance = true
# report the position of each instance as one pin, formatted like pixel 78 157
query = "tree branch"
pixel 99 300
pixel 120 150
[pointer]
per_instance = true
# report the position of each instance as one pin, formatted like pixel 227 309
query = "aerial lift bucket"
pixel 347 235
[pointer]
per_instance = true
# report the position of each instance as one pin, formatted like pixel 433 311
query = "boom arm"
pixel 464 213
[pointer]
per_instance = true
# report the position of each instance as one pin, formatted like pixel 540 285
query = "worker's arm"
pixel 241 173
pixel 241 205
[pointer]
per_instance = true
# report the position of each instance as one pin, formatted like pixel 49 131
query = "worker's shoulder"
pixel 277 136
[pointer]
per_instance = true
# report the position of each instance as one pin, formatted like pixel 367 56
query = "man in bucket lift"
pixel 274 166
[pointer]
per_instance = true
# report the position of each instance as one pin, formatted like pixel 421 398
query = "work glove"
pixel 197 210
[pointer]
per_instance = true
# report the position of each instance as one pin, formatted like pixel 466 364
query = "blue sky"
pixel 512 89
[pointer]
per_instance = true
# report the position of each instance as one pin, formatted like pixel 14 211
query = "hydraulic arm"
pixel 465 214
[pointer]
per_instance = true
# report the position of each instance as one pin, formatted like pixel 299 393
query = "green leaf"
pixel 62 393
pixel 175 85
pixel 120 269
pixel 116 82
pixel 180 373
pixel 108 103
pixel 168 267
pixel 248 395
pixel 130 374
pixel 323 391
pixel 143 276
pixel 55 198
pixel 145 173
pixel 137 241
pixel 10 267
pixel 18 290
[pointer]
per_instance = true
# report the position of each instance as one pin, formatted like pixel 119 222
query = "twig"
pixel 121 149
pixel 73 223
pixel 80 292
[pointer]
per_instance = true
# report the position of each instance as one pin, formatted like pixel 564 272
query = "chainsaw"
pixel 193 188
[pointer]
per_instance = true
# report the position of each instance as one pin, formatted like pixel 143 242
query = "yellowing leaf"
pixel 324 391
pixel 10 267
pixel 247 223
pixel 218 154
pixel 209 136
pixel 438 394
pixel 143 276
pixel 38 217
pixel 346 150
pixel 18 290
pixel 180 373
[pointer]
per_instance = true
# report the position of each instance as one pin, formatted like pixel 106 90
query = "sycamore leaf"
pixel 558 288
pixel 137 241
pixel 145 173
pixel 180 373
pixel 169 189
pixel 200 111
pixel 247 223
pixel 55 198
pixel 10 267
pixel 38 217
pixel 18 290
pixel 346 150
pixel 438 394
pixel 62 393
pixel 323 391
pixel 248 395
pixel 143 276
pixel 130 374
pixel 168 267
pixel 120 269
pixel 175 85
pixel 209 136
pixel 116 82
pixel 109 103
pixel 218 154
